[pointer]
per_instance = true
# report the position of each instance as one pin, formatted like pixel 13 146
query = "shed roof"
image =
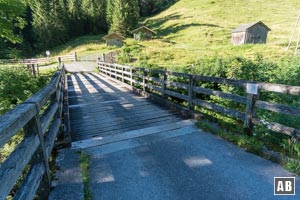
pixel 244 27
pixel 114 35
pixel 145 28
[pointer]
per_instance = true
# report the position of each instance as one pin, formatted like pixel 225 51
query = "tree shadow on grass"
pixel 160 21
pixel 176 28
pixel 161 32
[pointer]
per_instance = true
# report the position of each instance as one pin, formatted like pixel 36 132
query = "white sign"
pixel 252 88
pixel 48 53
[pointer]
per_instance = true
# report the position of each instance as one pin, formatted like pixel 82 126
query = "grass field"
pixel 193 29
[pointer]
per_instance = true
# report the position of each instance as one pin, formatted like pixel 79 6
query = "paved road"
pixel 173 160
pixel 80 66
pixel 195 165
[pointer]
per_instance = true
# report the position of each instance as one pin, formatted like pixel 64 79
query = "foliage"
pixel 292 165
pixel 95 13
pixel 48 22
pixel 16 85
pixel 127 52
pixel 291 147
pixel 123 16
pixel 85 165
pixel 11 12
pixel 42 24
pixel 251 144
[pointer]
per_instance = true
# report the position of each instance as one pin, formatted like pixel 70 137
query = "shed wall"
pixel 256 34
pixel 114 42
pixel 144 33
pixel 238 38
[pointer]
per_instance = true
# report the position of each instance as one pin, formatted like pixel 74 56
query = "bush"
pixel 16 85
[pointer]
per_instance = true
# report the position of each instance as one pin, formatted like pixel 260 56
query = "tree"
pixel 124 16
pixel 95 15
pixel 48 22
pixel 109 12
pixel 11 12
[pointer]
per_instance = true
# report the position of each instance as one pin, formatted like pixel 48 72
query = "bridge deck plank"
pixel 101 107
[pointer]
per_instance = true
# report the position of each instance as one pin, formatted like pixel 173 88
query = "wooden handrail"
pixel 160 82
pixel 40 118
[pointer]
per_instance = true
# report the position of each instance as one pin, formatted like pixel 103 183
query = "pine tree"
pixel 76 18
pixel 124 16
pixel 48 23
pixel 134 14
pixel 11 12
pixel 94 15
pixel 109 12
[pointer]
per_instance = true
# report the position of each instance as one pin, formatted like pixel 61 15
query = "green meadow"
pixel 191 30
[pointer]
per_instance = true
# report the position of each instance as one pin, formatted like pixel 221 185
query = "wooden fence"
pixel 110 57
pixel 69 57
pixel 41 61
pixel 190 90
pixel 39 121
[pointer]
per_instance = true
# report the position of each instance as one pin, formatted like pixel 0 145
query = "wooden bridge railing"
pixel 190 89
pixel 39 121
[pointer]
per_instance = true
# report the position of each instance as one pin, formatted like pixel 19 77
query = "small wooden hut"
pixel 252 33
pixel 143 33
pixel 114 39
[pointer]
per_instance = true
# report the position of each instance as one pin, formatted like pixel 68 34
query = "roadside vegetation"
pixel 85 166
pixel 16 85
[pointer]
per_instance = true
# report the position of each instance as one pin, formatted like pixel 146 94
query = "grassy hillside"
pixel 192 29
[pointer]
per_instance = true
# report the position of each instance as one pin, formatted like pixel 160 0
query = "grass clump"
pixel 250 144
pixel 85 166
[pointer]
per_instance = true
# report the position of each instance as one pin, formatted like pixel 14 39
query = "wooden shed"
pixel 143 33
pixel 252 33
pixel 114 39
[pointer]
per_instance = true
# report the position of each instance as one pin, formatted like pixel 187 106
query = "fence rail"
pixel 189 90
pixel 41 61
pixel 39 121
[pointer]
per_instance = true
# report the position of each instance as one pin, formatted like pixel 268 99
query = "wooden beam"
pixel 191 92
pixel 220 109
pixel 14 120
pixel 278 128
pixel 279 108
pixel 279 88
pixel 14 165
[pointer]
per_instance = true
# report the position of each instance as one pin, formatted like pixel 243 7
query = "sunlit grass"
pixel 193 29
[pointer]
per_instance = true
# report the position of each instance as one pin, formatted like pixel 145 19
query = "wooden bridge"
pixel 137 127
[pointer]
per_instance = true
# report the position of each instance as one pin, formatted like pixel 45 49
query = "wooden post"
pixel 131 76
pixel 252 94
pixel 144 80
pixel 34 127
pixel 75 56
pixel 38 69
pixel 110 71
pixel 28 68
pixel 123 74
pixel 33 70
pixel 191 92
pixel 163 85
pixel 103 57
